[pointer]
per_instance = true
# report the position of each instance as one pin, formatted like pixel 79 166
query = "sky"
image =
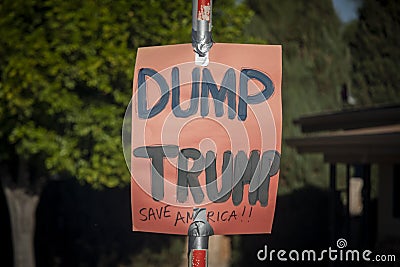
pixel 346 9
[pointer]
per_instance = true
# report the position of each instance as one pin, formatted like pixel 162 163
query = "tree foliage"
pixel 65 67
pixel 374 42
pixel 65 81
pixel 66 70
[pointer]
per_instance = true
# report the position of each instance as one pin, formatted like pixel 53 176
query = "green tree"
pixel 65 78
pixel 316 63
pixel 374 42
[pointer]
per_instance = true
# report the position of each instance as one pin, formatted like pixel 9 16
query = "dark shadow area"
pixel 80 226
pixel 302 222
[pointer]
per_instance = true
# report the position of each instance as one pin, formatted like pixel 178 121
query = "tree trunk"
pixel 219 251
pixel 22 209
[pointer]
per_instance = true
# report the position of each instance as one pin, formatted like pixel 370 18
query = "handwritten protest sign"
pixel 206 137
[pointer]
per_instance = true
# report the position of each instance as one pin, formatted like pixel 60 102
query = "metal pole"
pixel 201 30
pixel 199 232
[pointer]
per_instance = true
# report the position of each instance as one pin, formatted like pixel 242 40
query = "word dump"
pixel 200 96
pixel 237 171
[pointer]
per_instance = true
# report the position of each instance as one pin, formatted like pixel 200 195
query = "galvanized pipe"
pixel 201 26
pixel 199 232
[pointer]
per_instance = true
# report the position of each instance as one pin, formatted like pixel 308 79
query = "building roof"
pixel 369 135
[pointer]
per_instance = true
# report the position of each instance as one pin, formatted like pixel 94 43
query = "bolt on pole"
pixel 199 232
pixel 201 30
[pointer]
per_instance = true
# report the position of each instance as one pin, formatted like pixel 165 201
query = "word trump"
pixel 201 89
pixel 237 171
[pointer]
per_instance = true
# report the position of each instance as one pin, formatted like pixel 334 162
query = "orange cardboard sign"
pixel 206 137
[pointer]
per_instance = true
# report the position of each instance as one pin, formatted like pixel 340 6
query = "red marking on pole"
pixel 204 10
pixel 198 258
